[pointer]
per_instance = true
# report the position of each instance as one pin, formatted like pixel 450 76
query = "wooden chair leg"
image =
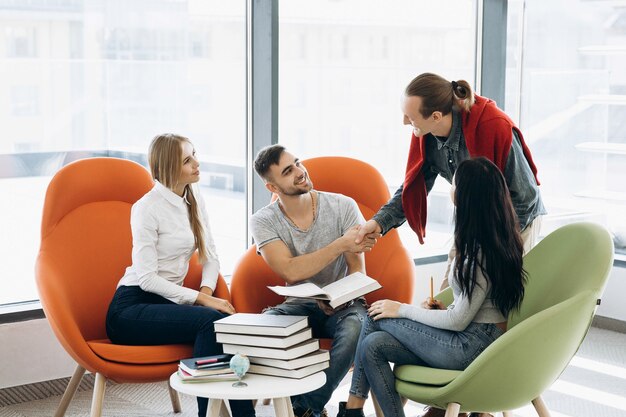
pixel 174 398
pixel 70 390
pixel 377 410
pixel 453 410
pixel 540 407
pixel 98 395
pixel 507 414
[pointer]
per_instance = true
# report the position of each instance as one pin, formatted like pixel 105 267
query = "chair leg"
pixel 507 414
pixel 70 390
pixel 377 409
pixel 540 407
pixel 453 410
pixel 98 395
pixel 174 398
pixel 267 401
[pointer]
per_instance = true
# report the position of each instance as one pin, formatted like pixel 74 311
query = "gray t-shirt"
pixel 335 214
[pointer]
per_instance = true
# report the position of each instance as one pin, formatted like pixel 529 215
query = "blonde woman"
pixel 169 223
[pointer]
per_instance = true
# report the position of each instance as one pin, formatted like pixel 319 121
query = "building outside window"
pixel 566 87
pixel 343 66
pixel 101 78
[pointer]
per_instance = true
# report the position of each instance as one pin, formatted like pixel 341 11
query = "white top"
pixel 163 244
pixel 259 386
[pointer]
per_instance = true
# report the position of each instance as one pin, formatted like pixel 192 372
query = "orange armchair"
pixel 86 245
pixel 388 262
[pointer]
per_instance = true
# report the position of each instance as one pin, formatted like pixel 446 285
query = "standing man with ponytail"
pixel 168 224
pixel 452 124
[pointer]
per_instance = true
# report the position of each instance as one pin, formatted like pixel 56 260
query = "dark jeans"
pixel 137 317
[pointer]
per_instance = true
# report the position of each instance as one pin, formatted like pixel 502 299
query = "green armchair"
pixel 567 272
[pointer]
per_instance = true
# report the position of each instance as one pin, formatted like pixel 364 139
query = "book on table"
pixel 291 352
pixel 288 373
pixel 339 292
pixel 312 358
pixel 186 377
pixel 206 365
pixel 265 341
pixel 261 324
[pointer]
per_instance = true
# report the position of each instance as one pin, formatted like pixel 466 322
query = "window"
pixel 569 95
pixel 25 100
pixel 21 41
pixel 109 77
pixel 342 97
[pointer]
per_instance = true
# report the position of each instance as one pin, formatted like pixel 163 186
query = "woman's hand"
pixel 433 304
pixel 384 309
pixel 218 304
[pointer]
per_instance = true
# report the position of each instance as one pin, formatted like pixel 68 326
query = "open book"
pixel 337 293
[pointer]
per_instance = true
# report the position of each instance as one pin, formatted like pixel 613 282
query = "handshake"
pixel 361 238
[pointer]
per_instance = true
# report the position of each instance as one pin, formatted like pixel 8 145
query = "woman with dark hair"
pixel 169 224
pixel 487 281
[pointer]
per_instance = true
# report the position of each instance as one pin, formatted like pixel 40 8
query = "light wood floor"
pixel 594 385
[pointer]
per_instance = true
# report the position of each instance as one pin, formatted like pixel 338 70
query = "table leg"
pixel 282 406
pixel 224 410
pixel 215 407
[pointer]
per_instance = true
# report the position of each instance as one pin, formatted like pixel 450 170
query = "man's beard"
pixel 295 190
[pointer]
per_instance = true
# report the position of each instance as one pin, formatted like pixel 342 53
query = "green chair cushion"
pixel 425 375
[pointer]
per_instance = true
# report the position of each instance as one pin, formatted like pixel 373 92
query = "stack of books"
pixel 276 345
pixel 206 368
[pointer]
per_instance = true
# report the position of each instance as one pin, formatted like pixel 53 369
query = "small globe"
pixel 239 364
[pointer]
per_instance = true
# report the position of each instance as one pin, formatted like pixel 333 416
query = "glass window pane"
pixel 343 68
pixel 570 94
pixel 83 78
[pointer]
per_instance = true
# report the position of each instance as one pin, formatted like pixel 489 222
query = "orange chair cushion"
pixel 139 355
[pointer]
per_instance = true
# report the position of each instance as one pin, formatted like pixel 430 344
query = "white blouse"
pixel 163 244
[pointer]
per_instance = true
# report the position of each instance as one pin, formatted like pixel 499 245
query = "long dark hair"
pixel 485 221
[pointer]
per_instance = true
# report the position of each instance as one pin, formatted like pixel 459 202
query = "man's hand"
pixel 370 227
pixel 325 307
pixel 383 309
pixel 349 240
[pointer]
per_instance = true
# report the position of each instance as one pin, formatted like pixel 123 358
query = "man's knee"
pixel 349 327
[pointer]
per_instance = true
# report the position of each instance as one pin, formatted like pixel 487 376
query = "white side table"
pixel 259 386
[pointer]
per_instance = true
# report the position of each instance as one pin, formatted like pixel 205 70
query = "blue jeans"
pixel 344 327
pixel 403 342
pixel 137 317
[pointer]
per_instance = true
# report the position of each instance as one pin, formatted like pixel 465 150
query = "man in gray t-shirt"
pixel 309 236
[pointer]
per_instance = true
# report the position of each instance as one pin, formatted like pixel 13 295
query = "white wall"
pixel 613 305
pixel 29 351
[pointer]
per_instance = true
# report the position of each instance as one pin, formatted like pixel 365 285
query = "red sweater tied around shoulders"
pixel 488 132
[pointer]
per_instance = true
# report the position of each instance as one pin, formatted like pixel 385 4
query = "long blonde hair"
pixel 439 94
pixel 165 160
